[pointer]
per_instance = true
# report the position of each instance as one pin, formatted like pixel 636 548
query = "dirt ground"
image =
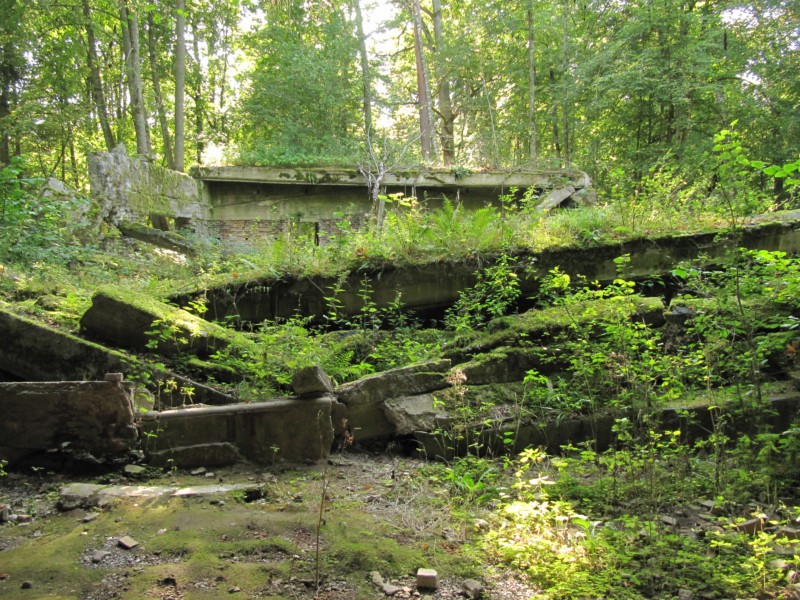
pixel 316 531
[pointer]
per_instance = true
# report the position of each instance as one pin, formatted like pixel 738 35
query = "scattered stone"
pixel 135 470
pixel 89 517
pixel 209 475
pixel 100 556
pixel 711 507
pixel 481 524
pixel 4 514
pixel 472 589
pixel 161 531
pixel 685 595
pixel 790 533
pixel 427 579
pixel 389 589
pixel 376 578
pixel 235 590
pixel 706 517
pixel 751 526
pixel 217 502
pixel 198 471
pixel 22 518
pixel 669 521
pixel 449 535
pixel 127 542
pixel 26 585
pixel 311 382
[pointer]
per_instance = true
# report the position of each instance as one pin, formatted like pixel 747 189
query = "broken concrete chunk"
pixel 127 542
pixel 472 589
pixel 311 381
pixel 414 413
pixel 427 579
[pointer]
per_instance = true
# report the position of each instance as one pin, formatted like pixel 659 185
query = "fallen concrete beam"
pixel 284 429
pixel 35 352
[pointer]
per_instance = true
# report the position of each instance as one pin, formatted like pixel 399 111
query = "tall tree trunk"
pixel 366 79
pixel 98 95
pixel 199 98
pixel 7 74
pixel 447 134
pixel 554 119
pixel 532 84
pixel 130 45
pixel 565 112
pixel 180 82
pixel 423 87
pixel 162 113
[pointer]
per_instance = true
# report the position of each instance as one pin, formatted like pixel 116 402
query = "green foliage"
pixel 302 107
pixel 35 227
pixel 493 295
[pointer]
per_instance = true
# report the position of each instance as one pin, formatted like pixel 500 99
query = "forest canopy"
pixel 620 89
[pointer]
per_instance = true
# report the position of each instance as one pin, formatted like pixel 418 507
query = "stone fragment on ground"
pixel 472 589
pixel 427 579
pixel 389 589
pixel 87 495
pixel 126 542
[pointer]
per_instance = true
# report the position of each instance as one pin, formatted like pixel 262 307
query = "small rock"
pixel 127 542
pixel 472 589
pixel 100 556
pixel 481 524
pixel 790 533
pixel 89 517
pixel 669 521
pixel 685 595
pixel 161 531
pixel 427 579
pixel 198 471
pixel 4 514
pixel 449 535
pixel 235 590
pixel 26 585
pixel 751 526
pixel 23 518
pixel 209 475
pixel 376 578
pixel 389 589
pixel 134 470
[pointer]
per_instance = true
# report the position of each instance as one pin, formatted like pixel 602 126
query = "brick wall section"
pixel 251 233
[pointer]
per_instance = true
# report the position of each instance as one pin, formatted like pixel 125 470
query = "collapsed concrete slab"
pixel 95 417
pixel 365 399
pixel 131 320
pixel 285 429
pixel 35 352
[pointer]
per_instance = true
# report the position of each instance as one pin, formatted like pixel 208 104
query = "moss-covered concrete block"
pixel 137 321
pixel 33 351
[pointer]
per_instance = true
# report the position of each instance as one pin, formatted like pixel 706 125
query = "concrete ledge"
pixel 284 429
